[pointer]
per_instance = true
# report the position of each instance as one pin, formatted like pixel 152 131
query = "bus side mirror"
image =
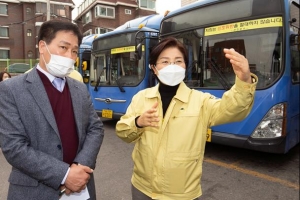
pixel 138 51
pixel 76 64
pixel 84 65
pixel 86 79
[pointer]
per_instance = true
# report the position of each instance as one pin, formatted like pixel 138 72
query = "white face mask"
pixel 171 75
pixel 59 66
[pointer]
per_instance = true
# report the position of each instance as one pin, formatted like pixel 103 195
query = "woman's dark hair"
pixel 166 43
pixel 49 29
pixel 2 74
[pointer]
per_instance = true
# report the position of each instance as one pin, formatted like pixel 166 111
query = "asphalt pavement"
pixel 228 173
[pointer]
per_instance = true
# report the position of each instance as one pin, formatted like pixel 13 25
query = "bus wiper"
pixel 119 85
pixel 97 84
pixel 217 71
pixel 98 80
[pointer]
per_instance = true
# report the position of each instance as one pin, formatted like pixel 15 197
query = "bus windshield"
pixel 126 69
pixel 209 68
pixel 116 65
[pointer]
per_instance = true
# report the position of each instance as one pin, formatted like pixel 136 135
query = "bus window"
pixel 262 47
pixel 99 73
pixel 126 69
pixel 295 46
pixel 295 62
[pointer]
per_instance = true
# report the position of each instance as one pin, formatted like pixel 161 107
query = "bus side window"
pixel 295 63
pixel 295 42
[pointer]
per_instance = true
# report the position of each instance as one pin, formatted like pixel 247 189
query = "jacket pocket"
pixel 142 165
pixel 18 178
pixel 183 172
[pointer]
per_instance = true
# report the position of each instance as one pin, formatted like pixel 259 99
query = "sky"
pixel 161 6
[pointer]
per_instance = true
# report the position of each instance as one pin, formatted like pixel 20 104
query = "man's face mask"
pixel 59 66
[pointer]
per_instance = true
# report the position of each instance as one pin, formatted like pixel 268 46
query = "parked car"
pixel 18 68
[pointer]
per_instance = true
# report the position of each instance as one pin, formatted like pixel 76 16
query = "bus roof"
pixel 128 30
pixel 150 21
pixel 199 14
pixel 87 41
pixel 191 6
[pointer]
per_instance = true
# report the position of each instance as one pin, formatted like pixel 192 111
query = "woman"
pixel 4 76
pixel 169 122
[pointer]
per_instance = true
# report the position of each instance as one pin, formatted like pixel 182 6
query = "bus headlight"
pixel 273 124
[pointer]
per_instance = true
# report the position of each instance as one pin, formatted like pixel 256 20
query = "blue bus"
pixel 83 61
pixel 266 32
pixel 117 71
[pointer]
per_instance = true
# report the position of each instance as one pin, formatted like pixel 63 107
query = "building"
pixel 20 21
pixel 101 16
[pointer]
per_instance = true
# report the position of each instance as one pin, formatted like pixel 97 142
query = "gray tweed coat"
pixel 30 140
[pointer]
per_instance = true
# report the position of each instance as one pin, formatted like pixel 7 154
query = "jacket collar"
pixel 182 93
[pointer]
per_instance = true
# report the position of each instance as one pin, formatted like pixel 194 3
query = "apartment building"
pixel 20 21
pixel 101 16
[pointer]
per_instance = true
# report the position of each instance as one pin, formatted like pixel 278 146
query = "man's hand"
pixel 240 65
pixel 149 118
pixel 77 178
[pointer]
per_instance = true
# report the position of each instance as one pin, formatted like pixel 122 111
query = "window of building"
pixel 86 4
pixel 40 7
pixel 149 4
pixel 88 32
pixel 99 30
pixel 58 10
pixel 29 54
pixel 29 32
pixel 104 11
pixel 37 28
pixel 28 11
pixel 3 9
pixel 127 12
pixel 4 53
pixel 4 31
pixel 87 18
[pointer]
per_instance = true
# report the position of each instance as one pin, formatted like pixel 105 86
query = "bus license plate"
pixel 107 113
pixel 208 135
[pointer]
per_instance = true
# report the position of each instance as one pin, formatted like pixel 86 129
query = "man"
pixel 50 134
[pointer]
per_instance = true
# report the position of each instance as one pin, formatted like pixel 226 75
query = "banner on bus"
pixel 244 25
pixel 124 49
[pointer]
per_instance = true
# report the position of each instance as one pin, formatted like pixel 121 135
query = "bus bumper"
pixel 270 145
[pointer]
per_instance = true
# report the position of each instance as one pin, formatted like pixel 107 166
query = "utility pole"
pixel 48 10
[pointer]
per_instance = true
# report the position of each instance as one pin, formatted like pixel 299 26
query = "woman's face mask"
pixel 171 75
pixel 59 66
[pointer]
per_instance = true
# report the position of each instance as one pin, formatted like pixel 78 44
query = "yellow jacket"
pixel 168 160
